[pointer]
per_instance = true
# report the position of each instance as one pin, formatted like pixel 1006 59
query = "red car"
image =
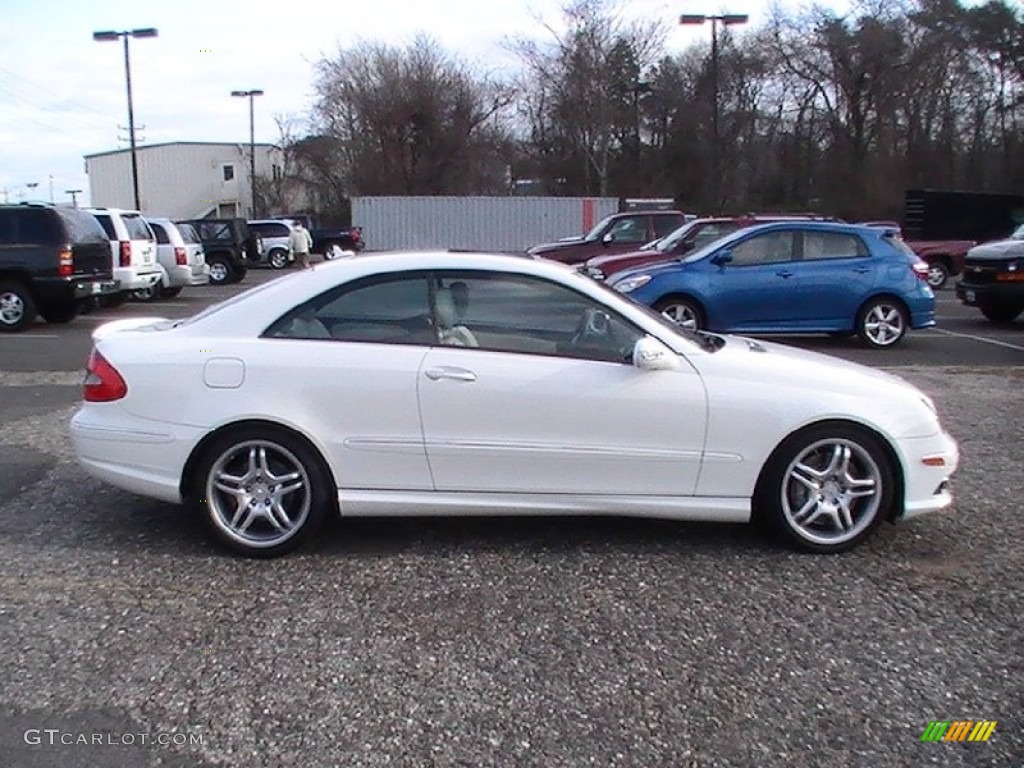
pixel 614 234
pixel 689 237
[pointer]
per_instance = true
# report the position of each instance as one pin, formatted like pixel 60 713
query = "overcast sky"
pixel 63 94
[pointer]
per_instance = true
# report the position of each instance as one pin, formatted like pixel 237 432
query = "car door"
pixel 754 289
pixel 533 394
pixel 359 348
pixel 836 273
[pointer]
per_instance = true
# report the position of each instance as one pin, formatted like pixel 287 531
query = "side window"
pixel 108 225
pixel 137 227
pixel 160 232
pixel 711 232
pixel 228 171
pixel 832 245
pixel 7 226
pixel 666 225
pixel 389 310
pixel 770 248
pixel 631 229
pixel 529 315
pixel 38 226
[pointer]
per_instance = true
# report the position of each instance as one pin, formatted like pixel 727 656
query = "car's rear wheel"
pixel 264 491
pixel 60 313
pixel 220 271
pixel 170 293
pixel 882 323
pixel 1001 313
pixel 150 293
pixel 681 311
pixel 17 309
pixel 278 258
pixel 826 488
pixel 938 274
pixel 114 300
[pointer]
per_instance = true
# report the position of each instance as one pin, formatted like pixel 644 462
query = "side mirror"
pixel 608 238
pixel 722 257
pixel 649 354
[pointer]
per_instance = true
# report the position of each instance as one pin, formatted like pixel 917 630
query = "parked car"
pixel 452 383
pixel 51 260
pixel 132 249
pixel 793 277
pixel 181 259
pixel 229 245
pixel 993 279
pixel 694 234
pixel 617 233
pixel 276 237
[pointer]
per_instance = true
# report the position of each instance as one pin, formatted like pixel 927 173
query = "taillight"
pixel 355 233
pixel 66 263
pixel 180 258
pixel 126 253
pixel 102 381
pixel 920 268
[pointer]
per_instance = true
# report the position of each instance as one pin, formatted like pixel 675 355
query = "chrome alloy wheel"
pixel 832 491
pixel 259 493
pixel 681 314
pixel 12 308
pixel 884 324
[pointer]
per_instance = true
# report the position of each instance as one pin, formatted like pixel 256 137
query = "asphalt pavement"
pixel 508 642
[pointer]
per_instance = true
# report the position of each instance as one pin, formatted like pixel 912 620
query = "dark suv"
pixel 230 247
pixel 51 260
pixel 614 234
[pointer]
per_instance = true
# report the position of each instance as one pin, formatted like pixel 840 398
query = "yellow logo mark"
pixel 206 50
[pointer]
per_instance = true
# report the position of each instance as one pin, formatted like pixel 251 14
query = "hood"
pixel 671 265
pixel 998 249
pixel 560 245
pixel 604 258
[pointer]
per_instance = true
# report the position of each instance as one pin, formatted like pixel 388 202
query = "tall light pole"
pixel 726 19
pixel 74 195
pixel 124 35
pixel 252 143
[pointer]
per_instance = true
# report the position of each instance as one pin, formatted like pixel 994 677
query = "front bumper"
pixel 929 463
pixel 976 294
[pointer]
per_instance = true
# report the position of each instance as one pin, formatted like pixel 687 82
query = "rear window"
pixel 160 232
pixel 137 227
pixel 81 227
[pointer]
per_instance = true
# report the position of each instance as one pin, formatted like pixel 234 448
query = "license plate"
pixel 97 287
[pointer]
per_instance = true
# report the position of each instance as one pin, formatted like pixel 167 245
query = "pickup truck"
pixel 993 278
pixel 945 258
pixel 331 242
pixel 618 233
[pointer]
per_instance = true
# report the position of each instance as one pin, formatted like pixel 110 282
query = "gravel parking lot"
pixel 509 642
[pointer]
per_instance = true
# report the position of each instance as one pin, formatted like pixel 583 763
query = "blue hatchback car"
pixel 793 277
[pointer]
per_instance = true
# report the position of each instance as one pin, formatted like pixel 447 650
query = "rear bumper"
pixel 188 275
pixel 132 279
pixel 57 290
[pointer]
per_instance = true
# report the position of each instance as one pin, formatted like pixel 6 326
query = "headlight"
pixel 631 283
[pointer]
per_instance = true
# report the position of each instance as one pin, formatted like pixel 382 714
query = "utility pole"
pixel 250 94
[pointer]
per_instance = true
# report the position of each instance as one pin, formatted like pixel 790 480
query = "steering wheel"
pixel 593 325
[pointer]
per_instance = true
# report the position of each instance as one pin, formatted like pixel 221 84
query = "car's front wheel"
pixel 1001 314
pixel 263 490
pixel 826 488
pixel 882 323
pixel 681 311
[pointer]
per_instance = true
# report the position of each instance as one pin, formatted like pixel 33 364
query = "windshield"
pixel 598 228
pixel 668 243
pixel 1018 233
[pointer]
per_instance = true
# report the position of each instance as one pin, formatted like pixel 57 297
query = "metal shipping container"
pixel 484 223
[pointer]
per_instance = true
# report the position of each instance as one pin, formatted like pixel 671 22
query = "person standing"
pixel 301 243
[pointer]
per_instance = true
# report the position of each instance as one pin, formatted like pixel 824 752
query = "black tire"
pixel 683 311
pixel 238 273
pixel 882 323
pixel 791 508
pixel 278 258
pixel 938 274
pixel 220 270
pixel 152 293
pixel 17 309
pixel 1001 314
pixel 170 293
pixel 285 455
pixel 60 313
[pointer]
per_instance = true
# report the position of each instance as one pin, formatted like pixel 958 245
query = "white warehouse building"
pixel 183 179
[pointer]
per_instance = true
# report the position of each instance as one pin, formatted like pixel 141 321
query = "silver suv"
pixel 276 236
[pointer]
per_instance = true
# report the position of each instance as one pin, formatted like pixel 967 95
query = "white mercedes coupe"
pixel 474 384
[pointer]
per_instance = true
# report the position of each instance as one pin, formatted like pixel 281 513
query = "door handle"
pixel 862 270
pixel 784 274
pixel 449 372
